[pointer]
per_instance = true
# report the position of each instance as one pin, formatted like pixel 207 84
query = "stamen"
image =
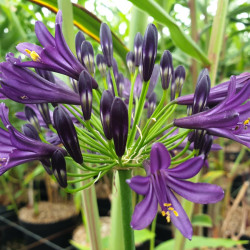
pixel 163 213
pixel 176 213
pixel 167 204
pixel 170 209
pixel 246 122
pixel 34 56
pixel 168 219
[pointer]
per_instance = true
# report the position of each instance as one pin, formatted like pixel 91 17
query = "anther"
pixel 163 213
pixel 170 209
pixel 176 213
pixel 34 56
pixel 246 122
pixel 167 204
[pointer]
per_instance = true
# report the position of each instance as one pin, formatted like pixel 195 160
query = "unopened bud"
pixel 101 64
pixel 32 118
pixel 106 43
pixel 80 38
pixel 138 48
pixel 130 59
pixel 166 69
pixel 87 55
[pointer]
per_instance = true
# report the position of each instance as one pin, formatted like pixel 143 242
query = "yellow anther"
pixel 168 219
pixel 34 56
pixel 170 209
pixel 167 204
pixel 167 213
pixel 163 213
pixel 246 122
pixel 176 213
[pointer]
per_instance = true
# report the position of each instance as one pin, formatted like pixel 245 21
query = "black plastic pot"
pixel 59 233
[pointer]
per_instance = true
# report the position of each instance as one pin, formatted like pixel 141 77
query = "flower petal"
pixel 159 158
pixel 181 222
pixel 43 35
pixel 202 193
pixel 139 184
pixel 145 211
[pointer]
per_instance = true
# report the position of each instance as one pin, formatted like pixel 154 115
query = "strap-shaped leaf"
pixel 87 22
pixel 180 39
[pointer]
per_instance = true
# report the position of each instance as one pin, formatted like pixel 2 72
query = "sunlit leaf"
pixel 211 176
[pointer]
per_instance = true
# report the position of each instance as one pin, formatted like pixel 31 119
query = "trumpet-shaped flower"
pixel 17 148
pixel 228 119
pixel 159 186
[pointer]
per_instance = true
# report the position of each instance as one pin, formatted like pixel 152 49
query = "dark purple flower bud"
pixel 106 43
pixel 80 38
pixel 179 78
pixel 74 84
pixel 101 64
pixel 149 51
pixel 115 69
pixel 110 83
pixel 105 109
pixel 151 104
pixel 32 118
pixel 46 74
pixel 119 125
pixel 120 83
pixel 86 96
pixel 138 48
pixel 30 131
pixel 201 94
pixel 130 59
pixel 206 144
pixel 59 168
pixel 44 111
pixel 198 137
pixel 47 166
pixel 203 73
pixel 87 55
pixel 67 133
pixel 166 69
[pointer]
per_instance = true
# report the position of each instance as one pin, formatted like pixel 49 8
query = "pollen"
pixel 246 122
pixel 170 209
pixel 34 56
pixel 167 204
pixel 163 213
pixel 176 213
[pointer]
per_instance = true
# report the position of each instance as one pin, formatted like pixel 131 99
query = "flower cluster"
pixel 112 120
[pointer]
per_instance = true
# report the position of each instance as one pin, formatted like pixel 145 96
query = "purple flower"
pixel 160 183
pixel 24 86
pixel 17 148
pixel 219 92
pixel 228 119
pixel 55 54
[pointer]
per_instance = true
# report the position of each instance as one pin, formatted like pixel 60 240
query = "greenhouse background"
pixel 85 195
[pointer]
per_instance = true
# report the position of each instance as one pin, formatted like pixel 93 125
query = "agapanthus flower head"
pixel 159 186
pixel 149 51
pixel 86 96
pixel 105 112
pixel 106 43
pixel 87 55
pixel 80 38
pixel 119 125
pixel 228 119
pixel 138 48
pixel 67 133
pixel 166 69
pixel 101 64
pixel 130 59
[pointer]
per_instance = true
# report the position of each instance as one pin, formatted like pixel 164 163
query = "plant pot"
pixel 58 231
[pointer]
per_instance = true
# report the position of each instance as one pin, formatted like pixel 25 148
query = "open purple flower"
pixel 17 148
pixel 219 92
pixel 24 86
pixel 160 183
pixel 55 54
pixel 228 119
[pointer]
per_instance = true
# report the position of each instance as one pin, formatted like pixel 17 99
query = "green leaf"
pixel 211 176
pixel 143 235
pixel 180 39
pixel 199 241
pixel 87 22
pixel 202 220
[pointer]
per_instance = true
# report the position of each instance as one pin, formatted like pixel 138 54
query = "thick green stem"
pixel 126 208
pixel 116 236
pixel 90 208
pixel 179 239
pixel 216 38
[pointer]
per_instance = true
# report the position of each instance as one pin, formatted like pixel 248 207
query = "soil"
pixel 47 212
pixel 79 234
